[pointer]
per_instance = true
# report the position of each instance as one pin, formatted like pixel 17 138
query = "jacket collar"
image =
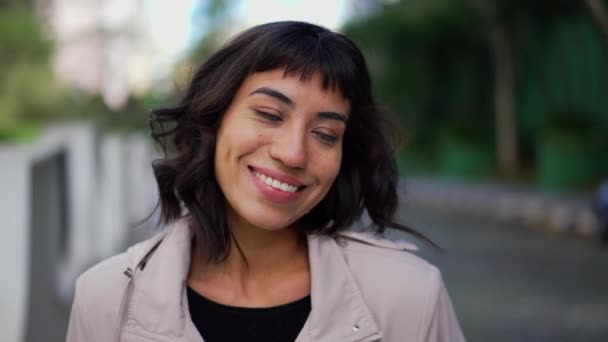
pixel 339 312
pixel 159 303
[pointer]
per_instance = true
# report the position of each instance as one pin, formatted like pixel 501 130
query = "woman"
pixel 278 147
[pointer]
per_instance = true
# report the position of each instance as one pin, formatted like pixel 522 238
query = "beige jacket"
pixel 362 289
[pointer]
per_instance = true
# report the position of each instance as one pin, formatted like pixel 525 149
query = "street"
pixel 510 283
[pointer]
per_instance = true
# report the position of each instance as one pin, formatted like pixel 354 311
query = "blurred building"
pixel 113 47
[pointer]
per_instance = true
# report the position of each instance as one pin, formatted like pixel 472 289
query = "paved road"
pixel 510 283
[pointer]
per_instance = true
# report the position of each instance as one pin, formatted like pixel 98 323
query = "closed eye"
pixel 326 138
pixel 267 116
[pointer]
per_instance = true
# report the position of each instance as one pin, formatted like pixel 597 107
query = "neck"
pixel 257 258
pixel 256 251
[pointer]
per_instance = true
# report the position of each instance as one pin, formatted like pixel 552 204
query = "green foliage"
pixel 461 160
pixel 429 63
pixel 29 93
pixel 563 82
pixel 466 150
pixel 563 77
pixel 21 37
pixel 568 161
pixel 132 116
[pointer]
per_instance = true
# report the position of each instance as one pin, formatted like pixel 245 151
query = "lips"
pixel 276 186
pixel 276 183
pixel 274 175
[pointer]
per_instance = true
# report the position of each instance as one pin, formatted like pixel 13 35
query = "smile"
pixel 275 183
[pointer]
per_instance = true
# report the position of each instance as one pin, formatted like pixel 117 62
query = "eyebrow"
pixel 333 116
pixel 273 93
pixel 286 100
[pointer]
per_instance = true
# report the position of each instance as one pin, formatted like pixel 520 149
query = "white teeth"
pixel 275 183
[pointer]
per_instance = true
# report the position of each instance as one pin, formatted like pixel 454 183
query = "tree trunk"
pixel 504 94
pixel 501 48
pixel 600 15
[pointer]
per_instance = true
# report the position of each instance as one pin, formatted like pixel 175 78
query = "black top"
pixel 217 322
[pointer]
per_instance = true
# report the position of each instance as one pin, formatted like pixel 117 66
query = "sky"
pixel 174 26
pixel 169 23
pixel 179 26
pixel 329 13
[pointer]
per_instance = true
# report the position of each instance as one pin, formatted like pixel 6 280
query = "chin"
pixel 272 224
pixel 269 220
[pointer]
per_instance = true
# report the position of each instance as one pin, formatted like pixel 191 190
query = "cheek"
pixel 329 167
pixel 263 139
pixel 222 149
pixel 238 142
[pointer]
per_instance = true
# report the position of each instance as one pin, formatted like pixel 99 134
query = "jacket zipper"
pixel 126 299
pixel 126 296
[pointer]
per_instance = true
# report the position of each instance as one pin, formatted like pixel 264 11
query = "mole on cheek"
pixel 263 138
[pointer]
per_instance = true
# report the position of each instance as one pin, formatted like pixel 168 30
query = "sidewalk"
pixel 564 213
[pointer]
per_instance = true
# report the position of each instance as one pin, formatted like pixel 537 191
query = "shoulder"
pixel 373 256
pixel 389 269
pixel 99 292
pixel 102 281
pixel 97 298
pixel 106 277
pixel 404 292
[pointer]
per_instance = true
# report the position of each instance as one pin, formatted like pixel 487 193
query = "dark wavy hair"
pixel 367 178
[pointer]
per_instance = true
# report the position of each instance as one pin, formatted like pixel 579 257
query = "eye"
pixel 326 138
pixel 267 116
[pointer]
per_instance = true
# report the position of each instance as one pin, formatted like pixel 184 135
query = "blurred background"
pixel 502 105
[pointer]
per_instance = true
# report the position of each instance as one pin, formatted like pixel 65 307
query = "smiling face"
pixel 279 148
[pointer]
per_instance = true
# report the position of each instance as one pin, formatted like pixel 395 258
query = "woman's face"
pixel 279 148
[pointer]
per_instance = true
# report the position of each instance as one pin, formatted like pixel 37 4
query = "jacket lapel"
pixel 159 304
pixel 339 312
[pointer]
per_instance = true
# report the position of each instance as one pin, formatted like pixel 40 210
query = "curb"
pixel 562 213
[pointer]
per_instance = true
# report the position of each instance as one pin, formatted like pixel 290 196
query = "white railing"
pixel 67 200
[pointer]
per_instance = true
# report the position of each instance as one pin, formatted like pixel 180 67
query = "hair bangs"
pixel 305 54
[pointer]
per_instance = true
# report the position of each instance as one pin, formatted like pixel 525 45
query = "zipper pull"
pixel 128 272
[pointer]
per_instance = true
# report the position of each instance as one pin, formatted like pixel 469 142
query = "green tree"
pixel 429 64
pixel 29 91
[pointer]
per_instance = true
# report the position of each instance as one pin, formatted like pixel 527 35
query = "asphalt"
pixel 512 283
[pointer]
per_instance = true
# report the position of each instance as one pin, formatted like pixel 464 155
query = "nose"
pixel 289 147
